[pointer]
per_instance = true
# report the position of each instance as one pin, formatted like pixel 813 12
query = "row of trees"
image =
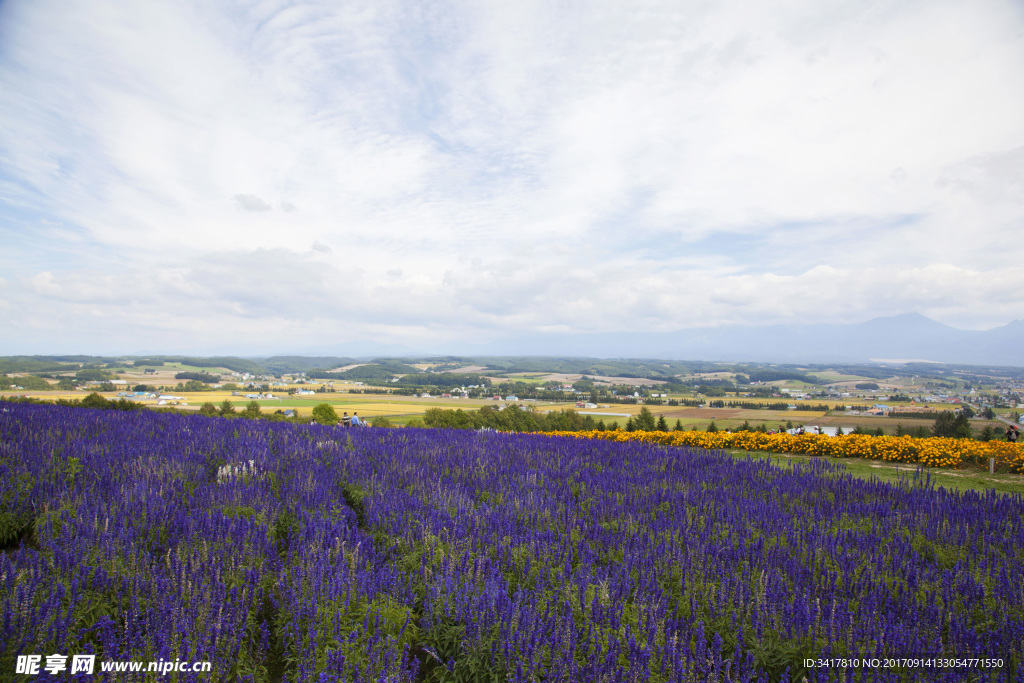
pixel 93 400
pixel 516 419
pixel 203 377
pixel 512 419
pixel 780 405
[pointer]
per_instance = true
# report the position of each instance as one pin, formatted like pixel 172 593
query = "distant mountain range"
pixel 894 340
pixel 903 337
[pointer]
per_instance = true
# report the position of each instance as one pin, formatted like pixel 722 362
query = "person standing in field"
pixel 1012 434
pixel 356 422
pixel 345 419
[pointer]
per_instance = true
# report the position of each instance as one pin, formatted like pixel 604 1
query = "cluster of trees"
pixel 953 426
pixel 447 380
pixel 773 375
pixel 645 422
pixel 781 405
pixel 229 362
pixel 93 400
pixel 30 382
pixel 290 365
pixel 204 377
pixel 919 415
pixel 516 419
pixel 641 369
pixel 195 385
pixel 512 418
pixel 31 364
pixel 227 409
pixel 93 375
pixel 370 372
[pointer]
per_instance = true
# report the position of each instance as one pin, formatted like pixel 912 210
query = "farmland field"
pixel 284 552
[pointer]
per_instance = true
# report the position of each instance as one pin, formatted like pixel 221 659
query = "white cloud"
pixel 273 293
pixel 513 166
pixel 250 202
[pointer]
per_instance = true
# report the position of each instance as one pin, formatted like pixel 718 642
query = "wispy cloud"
pixel 503 167
pixel 250 202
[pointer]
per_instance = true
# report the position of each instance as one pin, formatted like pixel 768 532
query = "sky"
pixel 259 177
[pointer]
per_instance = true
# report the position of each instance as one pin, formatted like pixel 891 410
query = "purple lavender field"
pixel 284 552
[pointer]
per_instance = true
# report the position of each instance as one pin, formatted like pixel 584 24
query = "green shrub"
pixel 325 414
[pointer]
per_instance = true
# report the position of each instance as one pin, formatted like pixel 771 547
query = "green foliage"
pixel 712 427
pixel 29 382
pixel 381 421
pixel 208 409
pixel 645 420
pixel 226 408
pixel 252 411
pixel 773 375
pixel 324 413
pixel 443 379
pixel 229 362
pixel 32 364
pixel 13 527
pixel 291 364
pixel 93 375
pixel 202 377
pixel 370 372
pixel 94 400
pixel 948 425
pixel 69 468
pixel 512 418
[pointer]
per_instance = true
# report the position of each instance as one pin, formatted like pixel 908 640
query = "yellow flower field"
pixel 931 452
